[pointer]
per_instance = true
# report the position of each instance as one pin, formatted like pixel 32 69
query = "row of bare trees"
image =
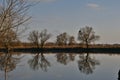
pixel 86 35
pixel 13 14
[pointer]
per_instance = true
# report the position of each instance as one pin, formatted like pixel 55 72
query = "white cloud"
pixel 93 6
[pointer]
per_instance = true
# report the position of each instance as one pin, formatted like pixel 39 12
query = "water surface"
pixel 59 66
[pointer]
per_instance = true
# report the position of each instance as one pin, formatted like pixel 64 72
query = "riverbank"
pixel 64 50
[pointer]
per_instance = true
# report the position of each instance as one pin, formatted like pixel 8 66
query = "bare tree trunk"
pixel 42 45
pixel 87 45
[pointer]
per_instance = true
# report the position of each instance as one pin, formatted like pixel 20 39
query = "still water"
pixel 59 66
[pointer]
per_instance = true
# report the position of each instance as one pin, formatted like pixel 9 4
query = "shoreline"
pixel 64 50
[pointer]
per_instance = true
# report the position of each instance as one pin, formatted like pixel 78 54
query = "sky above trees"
pixel 58 16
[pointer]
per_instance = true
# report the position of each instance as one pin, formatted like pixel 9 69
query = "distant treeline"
pixel 54 45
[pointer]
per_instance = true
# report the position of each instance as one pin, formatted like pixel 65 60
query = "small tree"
pixel 62 39
pixel 39 39
pixel 44 36
pixel 34 38
pixel 71 40
pixel 86 35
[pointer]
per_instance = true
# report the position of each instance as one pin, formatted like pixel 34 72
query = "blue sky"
pixel 70 15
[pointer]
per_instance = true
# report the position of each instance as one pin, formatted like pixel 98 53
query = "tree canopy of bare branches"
pixel 71 40
pixel 87 35
pixel 39 38
pixel 62 39
pixel 13 13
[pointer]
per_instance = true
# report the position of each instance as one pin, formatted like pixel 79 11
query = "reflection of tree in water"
pixel 39 61
pixel 64 58
pixel 8 63
pixel 87 64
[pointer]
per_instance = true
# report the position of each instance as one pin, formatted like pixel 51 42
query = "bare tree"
pixel 13 14
pixel 62 39
pixel 86 35
pixel 71 40
pixel 39 39
pixel 44 36
pixel 34 38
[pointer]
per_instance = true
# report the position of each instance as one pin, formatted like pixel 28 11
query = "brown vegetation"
pixel 53 45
